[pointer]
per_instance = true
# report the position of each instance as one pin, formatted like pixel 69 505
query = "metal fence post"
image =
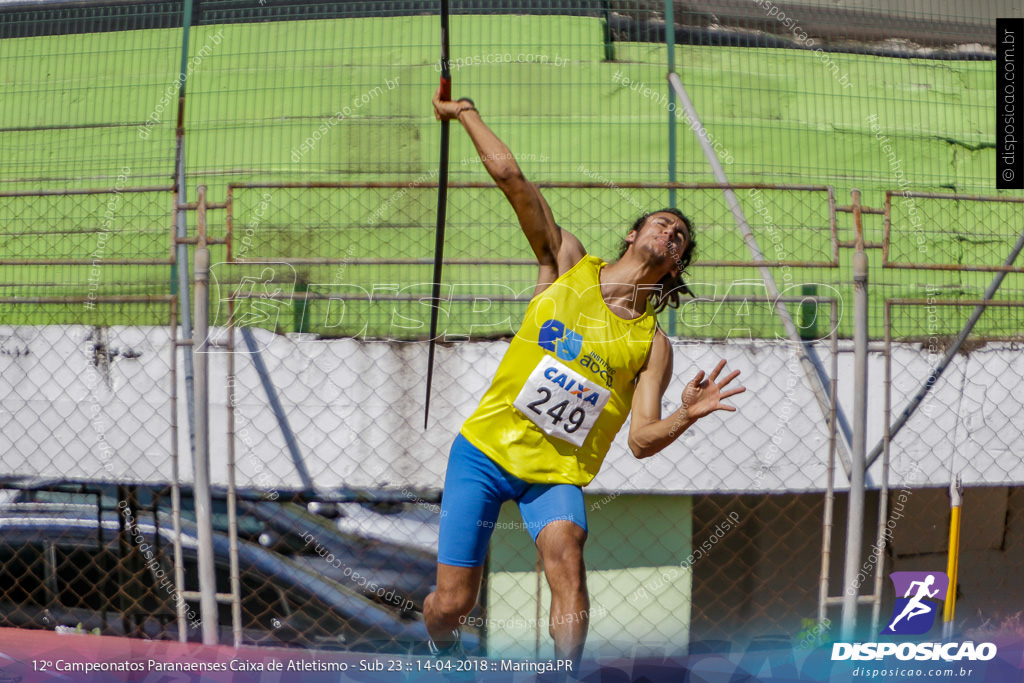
pixel 179 271
pixel 855 503
pixel 670 45
pixel 201 462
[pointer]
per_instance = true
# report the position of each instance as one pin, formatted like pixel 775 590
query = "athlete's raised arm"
pixel 648 433
pixel 557 250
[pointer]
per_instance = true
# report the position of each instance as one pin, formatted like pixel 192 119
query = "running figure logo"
pixel 914 613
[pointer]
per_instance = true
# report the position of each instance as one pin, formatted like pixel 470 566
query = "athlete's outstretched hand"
pixel 703 396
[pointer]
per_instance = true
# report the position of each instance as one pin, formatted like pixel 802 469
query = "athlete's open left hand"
pixel 704 395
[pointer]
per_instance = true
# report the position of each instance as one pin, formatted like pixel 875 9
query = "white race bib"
pixel 562 402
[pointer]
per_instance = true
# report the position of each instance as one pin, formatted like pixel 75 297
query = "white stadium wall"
pixel 356 409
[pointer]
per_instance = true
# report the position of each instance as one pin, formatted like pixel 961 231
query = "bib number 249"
pixel 557 412
pixel 560 401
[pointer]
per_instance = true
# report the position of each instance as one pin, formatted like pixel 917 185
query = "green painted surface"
pixel 348 100
pixel 639 593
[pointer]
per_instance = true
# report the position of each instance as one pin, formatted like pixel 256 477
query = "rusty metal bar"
pixel 953 302
pixel 195 240
pixel 496 262
pixel 957 197
pixel 386 262
pixel 91 190
pixel 852 244
pixel 833 225
pixel 228 221
pixel 954 267
pixel 175 247
pixel 553 184
pixel 194 206
pixel 886 226
pixel 200 206
pixel 470 299
pixel 86 262
pixel 861 209
pixel 112 299
pixel 886 263
pixel 524 262
pixel 50 232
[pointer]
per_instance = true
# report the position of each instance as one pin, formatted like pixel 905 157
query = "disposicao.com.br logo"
pixel 914 613
pixel 918 597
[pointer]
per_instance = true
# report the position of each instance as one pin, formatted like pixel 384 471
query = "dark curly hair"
pixel 666 292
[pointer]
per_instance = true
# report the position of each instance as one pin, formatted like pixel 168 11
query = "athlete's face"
pixel 663 236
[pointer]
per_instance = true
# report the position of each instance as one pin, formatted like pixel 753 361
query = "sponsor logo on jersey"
pixel 572 386
pixel 566 343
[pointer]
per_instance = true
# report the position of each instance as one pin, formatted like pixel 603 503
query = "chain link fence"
pixel 319 408
pixel 88 394
pixel 326 487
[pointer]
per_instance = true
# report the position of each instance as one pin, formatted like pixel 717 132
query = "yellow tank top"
pixel 565 386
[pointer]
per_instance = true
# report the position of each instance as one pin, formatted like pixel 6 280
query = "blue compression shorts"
pixel 474 489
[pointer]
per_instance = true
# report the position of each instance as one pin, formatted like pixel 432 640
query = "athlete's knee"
pixel 563 532
pixel 453 603
pixel 562 536
pixel 565 568
pixel 567 555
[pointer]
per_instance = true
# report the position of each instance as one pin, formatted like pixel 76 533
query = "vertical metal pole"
pixel 855 504
pixel 827 522
pixel 670 44
pixel 179 277
pixel 201 491
pixel 300 307
pixel 236 589
pixel 883 502
pixel 179 564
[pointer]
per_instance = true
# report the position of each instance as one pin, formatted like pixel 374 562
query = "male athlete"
pixel 589 351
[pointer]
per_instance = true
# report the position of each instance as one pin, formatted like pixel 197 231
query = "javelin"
pixel 442 205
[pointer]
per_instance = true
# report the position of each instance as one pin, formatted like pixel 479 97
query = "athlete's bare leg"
pixel 561 549
pixel 455 597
